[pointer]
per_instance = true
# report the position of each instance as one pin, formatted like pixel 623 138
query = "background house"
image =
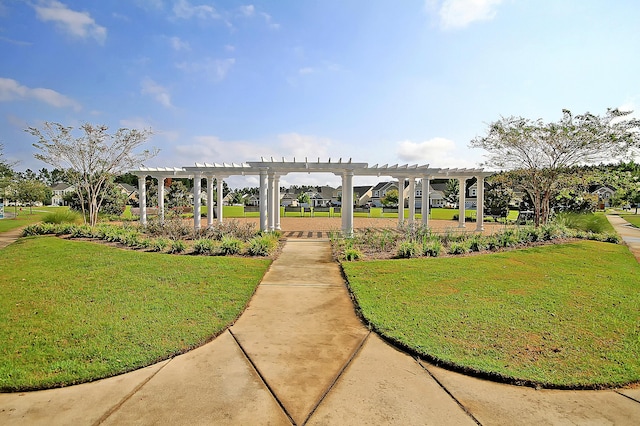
pixel 59 190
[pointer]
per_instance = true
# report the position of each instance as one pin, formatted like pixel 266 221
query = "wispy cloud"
pixel 12 90
pixel 249 11
pixel 16 42
pixel 158 92
pixel 77 24
pixel 185 10
pixel 301 146
pixel 454 14
pixel 178 44
pixel 214 69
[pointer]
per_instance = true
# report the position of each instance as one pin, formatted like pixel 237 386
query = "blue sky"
pixel 378 81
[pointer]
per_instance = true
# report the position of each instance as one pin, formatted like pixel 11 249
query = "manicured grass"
pixel 24 218
pixel 633 219
pixel 561 315
pixel 75 311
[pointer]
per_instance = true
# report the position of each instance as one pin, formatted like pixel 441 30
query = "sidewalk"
pixel 629 234
pixel 299 355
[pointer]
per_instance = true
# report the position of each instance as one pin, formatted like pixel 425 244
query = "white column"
pixel 425 201
pixel 462 193
pixel 263 200
pixel 277 201
pixel 142 198
pixel 220 197
pixel 197 187
pixel 480 204
pixel 401 201
pixel 347 203
pixel 412 200
pixel 161 198
pixel 270 196
pixel 210 201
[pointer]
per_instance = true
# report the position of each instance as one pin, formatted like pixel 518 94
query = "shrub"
pixel 408 249
pixel 351 254
pixel 82 231
pixel 459 247
pixel 62 216
pixel 262 245
pixel 432 248
pixel 177 246
pixel 205 246
pixel 159 244
pixel 230 245
pixel 477 243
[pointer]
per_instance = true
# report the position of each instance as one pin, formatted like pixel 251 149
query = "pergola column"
pixel 197 188
pixel 276 202
pixel 161 198
pixel 220 198
pixel 401 201
pixel 480 204
pixel 412 200
pixel 263 200
pixel 210 201
pixel 270 194
pixel 462 193
pixel 425 201
pixel 142 198
pixel 347 203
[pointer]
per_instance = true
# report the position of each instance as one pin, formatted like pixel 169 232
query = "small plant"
pixel 62 216
pixel 230 245
pixel 432 248
pixel 477 243
pixel 159 244
pixel 459 247
pixel 177 246
pixel 204 246
pixel 351 254
pixel 262 245
pixel 408 249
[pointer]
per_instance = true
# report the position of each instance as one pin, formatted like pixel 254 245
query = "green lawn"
pixel 24 218
pixel 633 219
pixel 561 315
pixel 75 311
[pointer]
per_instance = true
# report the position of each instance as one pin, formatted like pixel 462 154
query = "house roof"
pixel 61 186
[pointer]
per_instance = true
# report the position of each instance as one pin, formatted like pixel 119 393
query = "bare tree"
pixel 93 159
pixel 539 153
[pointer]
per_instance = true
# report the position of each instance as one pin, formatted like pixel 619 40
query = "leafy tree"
pixel 30 191
pixel 178 195
pixel 303 198
pixel 237 197
pixel 497 195
pixel 540 153
pixel 113 203
pixel 390 198
pixel 93 159
pixel 452 191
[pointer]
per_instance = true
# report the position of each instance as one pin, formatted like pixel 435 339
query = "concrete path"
pixel 299 355
pixel 629 233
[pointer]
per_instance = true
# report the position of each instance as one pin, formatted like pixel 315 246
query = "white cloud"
pixel 214 69
pixel 185 10
pixel 78 24
pixel 12 90
pixel 437 152
pixel 301 146
pixel 178 44
pixel 248 10
pixel 460 13
pixel 159 93
pixel 211 149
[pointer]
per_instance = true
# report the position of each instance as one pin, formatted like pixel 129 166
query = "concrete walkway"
pixel 299 355
pixel 630 234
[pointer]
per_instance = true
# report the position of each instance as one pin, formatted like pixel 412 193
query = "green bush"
pixel 62 216
pixel 177 246
pixel 477 243
pixel 159 244
pixel 230 245
pixel 262 245
pixel 205 246
pixel 582 221
pixel 459 247
pixel 351 254
pixel 432 248
pixel 408 249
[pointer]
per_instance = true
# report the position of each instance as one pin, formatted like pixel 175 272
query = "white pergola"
pixel 270 172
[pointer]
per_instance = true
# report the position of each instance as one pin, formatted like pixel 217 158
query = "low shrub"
pixel 432 248
pixel 408 249
pixel 459 247
pixel 205 246
pixel 262 245
pixel 230 245
pixel 177 246
pixel 477 243
pixel 62 216
pixel 351 254
pixel 159 244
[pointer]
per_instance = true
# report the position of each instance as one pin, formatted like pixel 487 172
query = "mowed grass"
pixel 633 219
pixel 75 311
pixel 563 315
pixel 24 218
